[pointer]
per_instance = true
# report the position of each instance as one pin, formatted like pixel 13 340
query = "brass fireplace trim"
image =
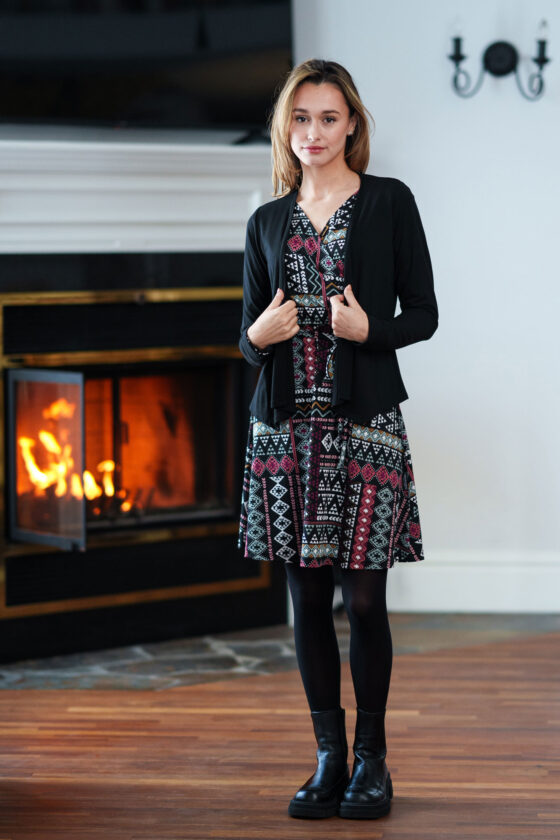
pixel 123 356
pixel 124 537
pixel 107 296
pixel 138 296
pixel 170 593
pixel 145 354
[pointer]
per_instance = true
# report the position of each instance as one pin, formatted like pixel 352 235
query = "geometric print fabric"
pixel 320 489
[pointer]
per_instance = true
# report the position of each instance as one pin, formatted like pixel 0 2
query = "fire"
pixel 58 409
pixel 92 490
pixel 40 479
pixel 107 468
pixel 76 488
pixel 50 442
pixel 58 472
pixel 67 433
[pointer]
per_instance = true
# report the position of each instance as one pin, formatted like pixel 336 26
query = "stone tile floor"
pixel 161 665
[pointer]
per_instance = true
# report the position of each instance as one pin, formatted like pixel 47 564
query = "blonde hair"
pixel 286 168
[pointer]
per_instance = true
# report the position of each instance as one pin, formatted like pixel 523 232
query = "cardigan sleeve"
pixel 256 292
pixel 418 319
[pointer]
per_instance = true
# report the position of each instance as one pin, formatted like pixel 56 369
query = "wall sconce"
pixel 501 58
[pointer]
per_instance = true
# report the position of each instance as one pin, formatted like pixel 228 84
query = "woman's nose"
pixel 312 132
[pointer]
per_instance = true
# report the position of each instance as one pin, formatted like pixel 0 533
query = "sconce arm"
pixel 535 86
pixel 461 82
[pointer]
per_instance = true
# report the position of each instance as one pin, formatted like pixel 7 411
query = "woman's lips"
pixel 313 148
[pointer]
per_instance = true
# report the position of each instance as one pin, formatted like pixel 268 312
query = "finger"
pixel 349 295
pixel 277 299
pixel 289 315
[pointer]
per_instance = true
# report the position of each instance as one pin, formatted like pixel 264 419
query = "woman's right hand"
pixel 276 323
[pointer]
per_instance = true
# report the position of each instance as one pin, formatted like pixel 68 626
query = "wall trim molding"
pixel 471 582
pixel 477 582
pixel 68 196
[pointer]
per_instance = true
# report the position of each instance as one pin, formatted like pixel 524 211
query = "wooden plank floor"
pixel 473 749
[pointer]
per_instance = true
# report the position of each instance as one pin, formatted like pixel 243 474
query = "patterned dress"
pixel 320 489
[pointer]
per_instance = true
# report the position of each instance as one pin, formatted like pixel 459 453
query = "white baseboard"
pixel 473 582
pixel 477 581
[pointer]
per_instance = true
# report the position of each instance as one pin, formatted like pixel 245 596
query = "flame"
pixel 60 463
pixel 156 440
pixel 126 505
pixel 40 479
pixel 50 442
pixel 76 488
pixel 92 489
pixel 61 484
pixel 107 468
pixel 58 409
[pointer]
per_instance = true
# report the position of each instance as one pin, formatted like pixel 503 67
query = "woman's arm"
pixel 270 321
pixel 256 293
pixel 418 319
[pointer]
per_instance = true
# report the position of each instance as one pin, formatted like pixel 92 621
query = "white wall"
pixel 484 408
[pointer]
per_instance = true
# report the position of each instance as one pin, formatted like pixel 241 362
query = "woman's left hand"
pixel 350 321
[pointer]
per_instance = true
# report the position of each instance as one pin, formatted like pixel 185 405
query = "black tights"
pixel 371 649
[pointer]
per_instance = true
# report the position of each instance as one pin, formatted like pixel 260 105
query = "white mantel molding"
pixel 80 196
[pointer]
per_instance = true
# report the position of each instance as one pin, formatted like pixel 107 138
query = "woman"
pixel 328 475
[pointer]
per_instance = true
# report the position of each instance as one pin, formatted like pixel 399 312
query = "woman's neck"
pixel 319 183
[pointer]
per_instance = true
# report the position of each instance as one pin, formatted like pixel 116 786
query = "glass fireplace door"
pixel 46 457
pixel 119 448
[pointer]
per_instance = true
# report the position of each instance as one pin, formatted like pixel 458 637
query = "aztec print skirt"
pixel 325 490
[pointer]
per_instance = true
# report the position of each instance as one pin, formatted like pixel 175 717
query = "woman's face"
pixel 320 124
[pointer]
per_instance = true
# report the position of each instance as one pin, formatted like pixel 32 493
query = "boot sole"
pixel 355 811
pixel 319 810
pixel 313 812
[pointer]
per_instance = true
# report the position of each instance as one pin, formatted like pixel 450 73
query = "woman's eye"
pixel 300 119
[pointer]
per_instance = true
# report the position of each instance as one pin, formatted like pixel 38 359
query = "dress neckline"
pixel 330 217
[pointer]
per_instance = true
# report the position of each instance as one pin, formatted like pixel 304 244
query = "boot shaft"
pixel 330 731
pixel 369 739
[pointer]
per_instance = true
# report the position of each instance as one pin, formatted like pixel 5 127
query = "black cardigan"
pixel 386 256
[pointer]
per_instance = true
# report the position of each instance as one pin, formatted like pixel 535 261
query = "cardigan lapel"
pixel 344 352
pixel 282 384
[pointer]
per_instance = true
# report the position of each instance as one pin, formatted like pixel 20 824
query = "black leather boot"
pixel 321 794
pixel 370 790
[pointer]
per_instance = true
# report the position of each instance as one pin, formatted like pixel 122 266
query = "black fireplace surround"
pixel 125 367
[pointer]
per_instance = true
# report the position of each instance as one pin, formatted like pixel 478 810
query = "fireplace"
pixel 125 418
pixel 121 258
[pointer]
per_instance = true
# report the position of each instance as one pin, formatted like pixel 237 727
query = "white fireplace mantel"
pixel 152 193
